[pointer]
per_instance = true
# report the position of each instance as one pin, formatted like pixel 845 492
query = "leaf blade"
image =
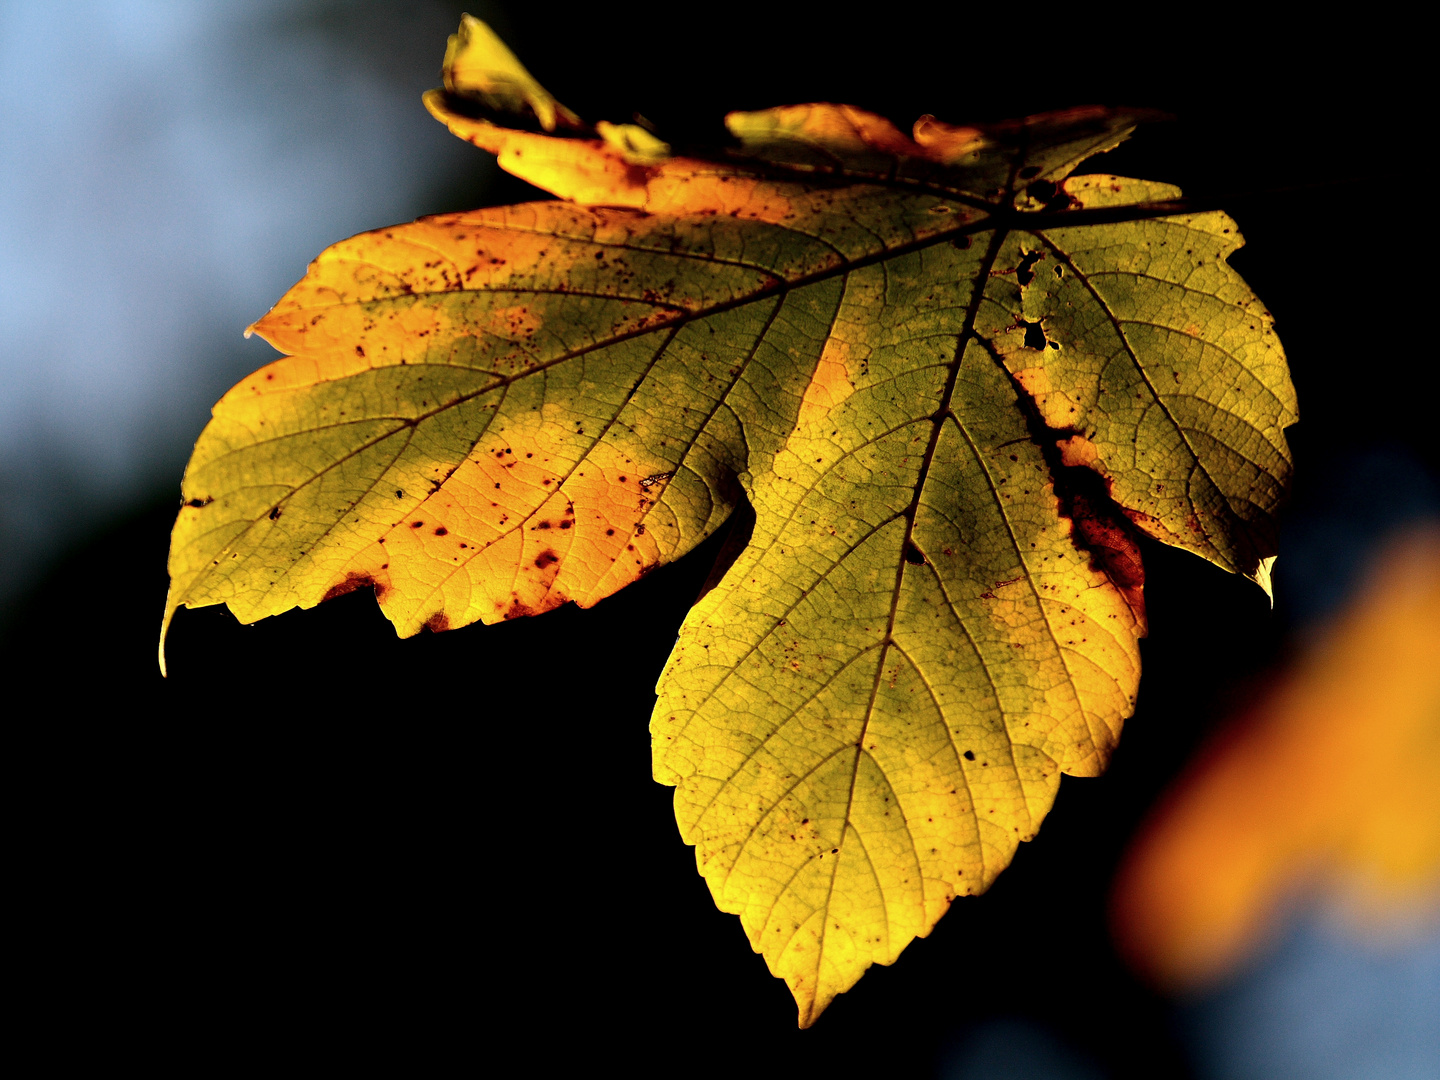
pixel 487 415
pixel 1201 461
pixel 721 800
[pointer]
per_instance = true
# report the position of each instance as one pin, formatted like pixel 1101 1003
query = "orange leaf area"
pixel 529 537
pixel 1331 786
pixel 593 172
pixel 829 386
pixel 526 521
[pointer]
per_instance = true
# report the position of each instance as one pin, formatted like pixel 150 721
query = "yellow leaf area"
pixel 489 414
pixel 1330 786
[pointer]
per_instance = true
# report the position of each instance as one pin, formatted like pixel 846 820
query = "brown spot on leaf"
pixel 352 582
pixel 1108 539
pixel 518 609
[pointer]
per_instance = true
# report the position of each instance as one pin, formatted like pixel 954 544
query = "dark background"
pixel 318 843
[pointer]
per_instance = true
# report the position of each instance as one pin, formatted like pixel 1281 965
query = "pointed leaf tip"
pixel 1264 577
pixel 479 65
pixel 636 145
pixel 164 631
pixel 946 142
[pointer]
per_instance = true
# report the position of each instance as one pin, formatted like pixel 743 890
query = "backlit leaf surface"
pixel 949 405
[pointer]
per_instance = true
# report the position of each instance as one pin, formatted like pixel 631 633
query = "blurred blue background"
pixel 170 167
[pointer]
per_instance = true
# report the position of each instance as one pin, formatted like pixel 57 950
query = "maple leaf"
pixel 951 380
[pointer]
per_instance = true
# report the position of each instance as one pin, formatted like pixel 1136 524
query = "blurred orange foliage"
pixel 1329 788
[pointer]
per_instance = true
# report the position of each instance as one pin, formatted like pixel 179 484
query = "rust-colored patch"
pixel 1148 524
pixel 352 582
pixel 1111 546
pixel 516 323
pixel 438 623
pixel 518 609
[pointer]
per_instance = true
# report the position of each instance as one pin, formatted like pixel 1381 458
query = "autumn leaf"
pixel 952 381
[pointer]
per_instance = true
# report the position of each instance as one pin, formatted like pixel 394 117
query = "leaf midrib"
pixel 937 421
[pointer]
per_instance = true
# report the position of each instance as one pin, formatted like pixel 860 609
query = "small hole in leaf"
pixel 1034 335
pixel 1029 172
pixel 1042 191
pixel 1025 272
